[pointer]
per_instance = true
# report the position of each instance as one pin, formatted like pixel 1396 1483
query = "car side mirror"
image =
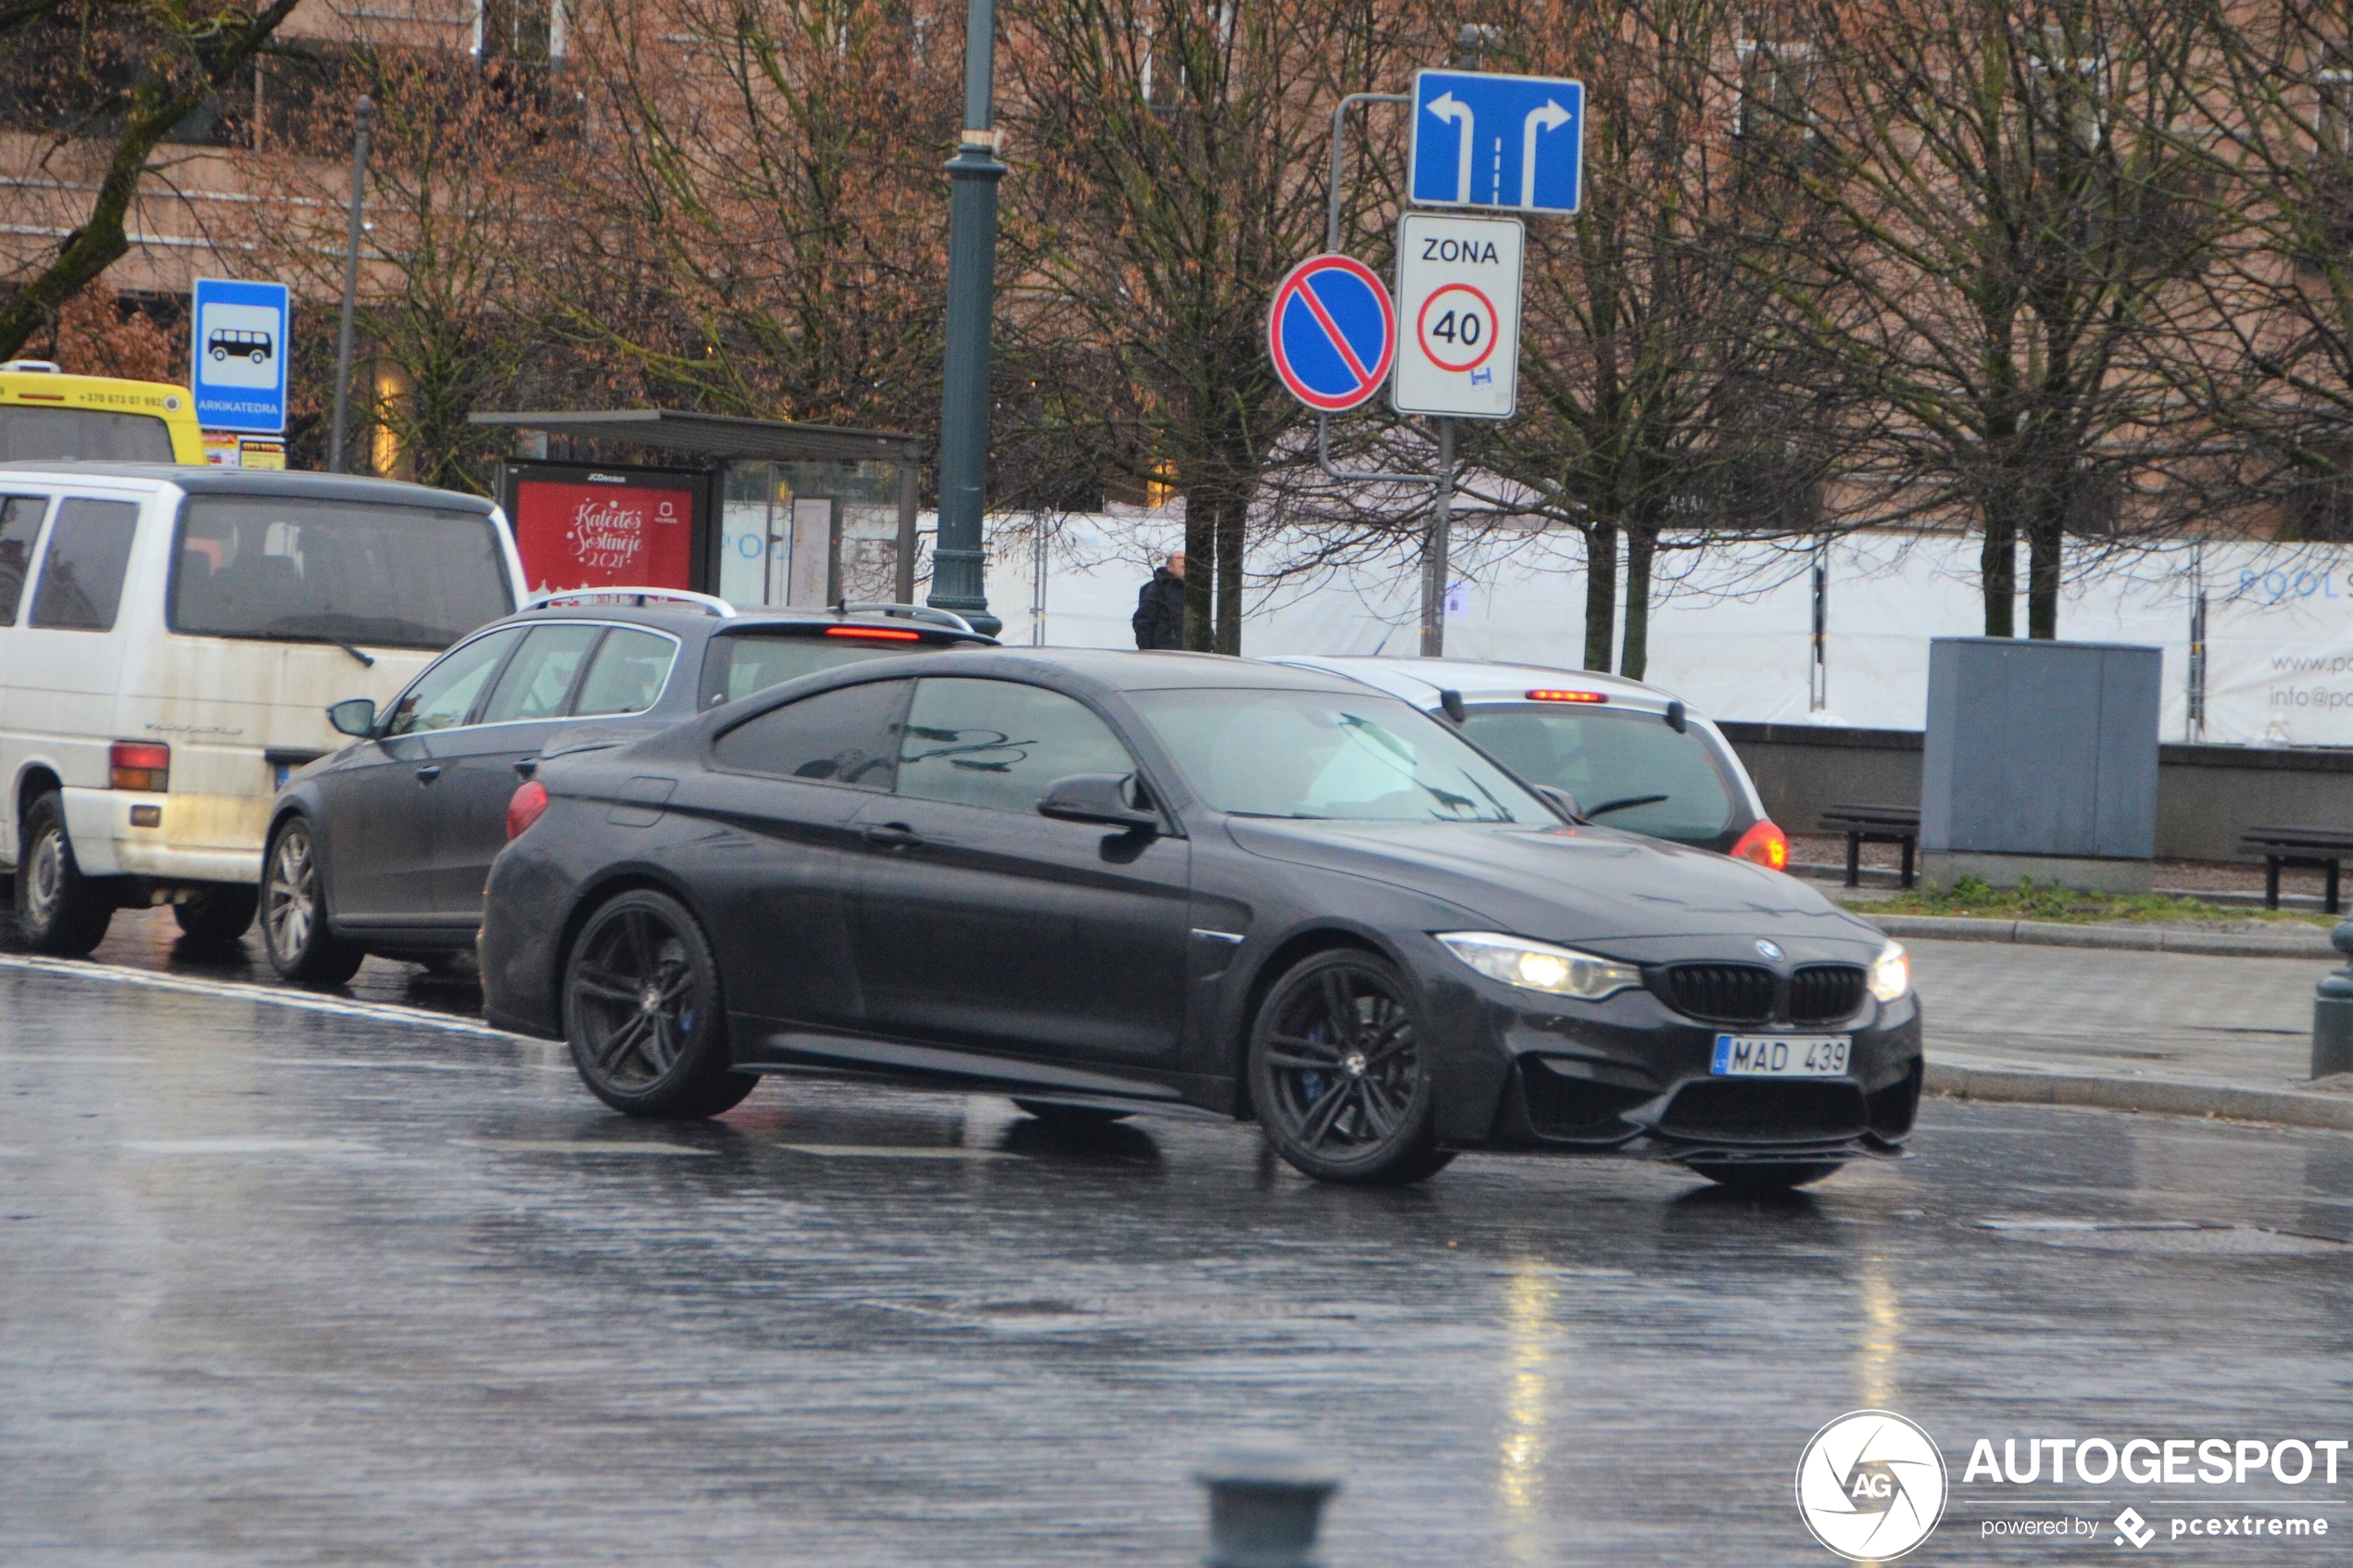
pixel 354 716
pixel 1562 801
pixel 1096 797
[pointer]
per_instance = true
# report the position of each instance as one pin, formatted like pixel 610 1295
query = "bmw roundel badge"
pixel 1769 951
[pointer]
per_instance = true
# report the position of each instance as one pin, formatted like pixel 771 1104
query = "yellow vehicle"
pixel 47 415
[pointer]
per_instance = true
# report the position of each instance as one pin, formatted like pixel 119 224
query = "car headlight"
pixel 1539 966
pixel 1891 973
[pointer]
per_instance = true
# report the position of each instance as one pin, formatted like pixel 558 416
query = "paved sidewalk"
pixel 2169 1031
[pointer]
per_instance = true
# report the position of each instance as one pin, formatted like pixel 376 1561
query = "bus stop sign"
pixel 238 359
pixel 1332 333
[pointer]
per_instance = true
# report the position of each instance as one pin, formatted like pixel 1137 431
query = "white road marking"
pixel 245 1145
pixel 576 1145
pixel 301 1001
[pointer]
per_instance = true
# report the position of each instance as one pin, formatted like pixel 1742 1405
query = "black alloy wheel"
pixel 1337 1076
pixel 222 913
pixel 59 911
pixel 1764 1178
pixel 294 912
pixel 642 1014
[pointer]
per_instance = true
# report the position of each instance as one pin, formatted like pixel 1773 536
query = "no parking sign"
pixel 1332 333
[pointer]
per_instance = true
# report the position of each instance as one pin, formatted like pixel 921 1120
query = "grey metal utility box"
pixel 2041 760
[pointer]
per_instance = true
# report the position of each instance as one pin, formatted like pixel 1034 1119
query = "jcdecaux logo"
pixel 1872 1486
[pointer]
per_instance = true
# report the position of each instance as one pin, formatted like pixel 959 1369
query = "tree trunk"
pixel 1601 592
pixel 1997 573
pixel 2043 539
pixel 1231 514
pixel 1642 546
pixel 1201 567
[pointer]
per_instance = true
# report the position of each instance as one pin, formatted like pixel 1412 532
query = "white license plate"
pixel 1774 1056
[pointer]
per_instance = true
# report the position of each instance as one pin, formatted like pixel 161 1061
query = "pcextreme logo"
pixel 1871 1486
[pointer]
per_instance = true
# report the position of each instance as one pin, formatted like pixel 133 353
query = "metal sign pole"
pixel 364 118
pixel 1434 569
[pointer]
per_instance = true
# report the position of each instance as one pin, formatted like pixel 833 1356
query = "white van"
pixel 169 640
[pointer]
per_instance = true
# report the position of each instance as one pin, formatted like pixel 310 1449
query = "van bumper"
pixel 197 838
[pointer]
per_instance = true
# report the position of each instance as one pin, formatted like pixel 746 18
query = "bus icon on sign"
pixel 224 341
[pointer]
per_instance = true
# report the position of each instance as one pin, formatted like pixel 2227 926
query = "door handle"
pixel 429 773
pixel 892 836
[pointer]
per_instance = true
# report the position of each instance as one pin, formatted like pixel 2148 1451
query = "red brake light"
pixel 874 633
pixel 139 764
pixel 1551 695
pixel 525 806
pixel 1765 844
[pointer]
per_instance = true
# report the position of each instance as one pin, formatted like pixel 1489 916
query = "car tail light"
pixel 1549 695
pixel 525 807
pixel 874 633
pixel 1765 844
pixel 139 764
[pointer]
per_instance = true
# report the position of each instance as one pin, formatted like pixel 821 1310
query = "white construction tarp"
pixel 1731 626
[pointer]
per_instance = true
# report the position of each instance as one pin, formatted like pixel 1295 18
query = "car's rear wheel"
pixel 59 911
pixel 294 913
pixel 1764 1179
pixel 1059 1115
pixel 1337 1074
pixel 642 1011
pixel 222 913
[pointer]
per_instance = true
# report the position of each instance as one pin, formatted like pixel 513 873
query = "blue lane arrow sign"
pixel 1512 142
pixel 1332 333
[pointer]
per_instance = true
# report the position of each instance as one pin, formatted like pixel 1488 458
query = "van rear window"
pixel 335 572
pixel 87 434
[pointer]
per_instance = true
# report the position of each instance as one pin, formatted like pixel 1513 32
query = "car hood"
pixel 1639 898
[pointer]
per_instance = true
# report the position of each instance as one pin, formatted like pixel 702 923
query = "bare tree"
pixel 1169 161
pixel 128 73
pixel 2017 222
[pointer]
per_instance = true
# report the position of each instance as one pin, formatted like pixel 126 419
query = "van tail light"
pixel 1765 845
pixel 139 764
pixel 524 807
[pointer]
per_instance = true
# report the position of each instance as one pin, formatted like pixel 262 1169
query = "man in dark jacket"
pixel 1159 609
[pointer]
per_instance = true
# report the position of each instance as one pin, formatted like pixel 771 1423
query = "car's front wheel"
pixel 1765 1178
pixel 642 1011
pixel 294 912
pixel 1337 1074
pixel 59 911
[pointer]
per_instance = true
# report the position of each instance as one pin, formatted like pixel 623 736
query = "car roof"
pixel 1121 669
pixel 675 617
pixel 272 483
pixel 1419 680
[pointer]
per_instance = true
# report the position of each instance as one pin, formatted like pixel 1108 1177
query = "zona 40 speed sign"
pixel 1458 315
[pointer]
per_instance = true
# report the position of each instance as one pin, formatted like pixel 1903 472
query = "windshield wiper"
pixel 362 655
pixel 1631 801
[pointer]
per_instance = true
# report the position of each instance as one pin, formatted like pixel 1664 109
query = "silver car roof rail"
pixel 709 603
pixel 912 612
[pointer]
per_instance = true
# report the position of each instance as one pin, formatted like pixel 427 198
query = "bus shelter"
pixel 760 513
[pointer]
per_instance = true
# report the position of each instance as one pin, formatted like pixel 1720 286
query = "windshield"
pixel 1601 758
pixel 1329 754
pixel 84 434
pixel 336 571
pixel 740 663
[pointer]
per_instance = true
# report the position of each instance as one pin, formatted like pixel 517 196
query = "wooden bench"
pixel 1874 824
pixel 2318 849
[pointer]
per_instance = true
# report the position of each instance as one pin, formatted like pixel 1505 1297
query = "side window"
pixel 996 744
pixel 20 530
pixel 539 677
pixel 628 672
pixel 842 736
pixel 82 571
pixel 445 693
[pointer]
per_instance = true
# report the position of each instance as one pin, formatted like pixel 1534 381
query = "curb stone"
pixel 2132 938
pixel 2292 1108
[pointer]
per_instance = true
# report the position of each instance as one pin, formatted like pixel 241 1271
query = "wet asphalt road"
pixel 285 1286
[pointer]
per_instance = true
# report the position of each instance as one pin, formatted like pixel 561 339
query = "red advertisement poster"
pixel 576 536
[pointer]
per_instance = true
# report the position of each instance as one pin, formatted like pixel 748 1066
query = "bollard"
pixel 1265 1503
pixel 2332 1010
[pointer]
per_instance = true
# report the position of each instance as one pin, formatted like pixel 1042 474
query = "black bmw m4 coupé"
pixel 1106 883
